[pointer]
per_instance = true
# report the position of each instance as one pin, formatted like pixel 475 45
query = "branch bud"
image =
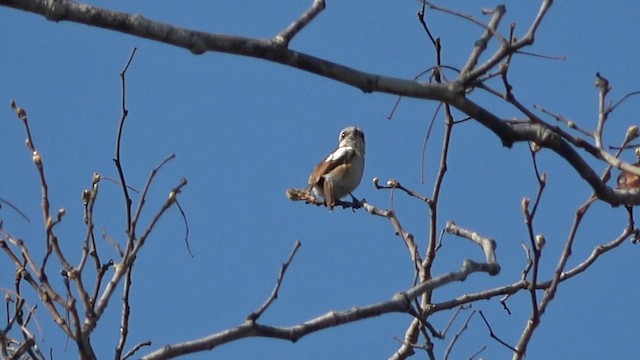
pixel 172 198
pixel 632 132
pixel 37 159
pixel 86 195
pixel 543 178
pixel 60 214
pixel 602 83
pixel 393 183
pixel 540 241
pixel 535 147
pixel 20 112
pixel 525 205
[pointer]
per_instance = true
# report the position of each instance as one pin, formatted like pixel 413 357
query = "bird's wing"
pixel 339 157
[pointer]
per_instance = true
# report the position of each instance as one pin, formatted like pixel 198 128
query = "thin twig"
pixel 135 349
pixel 145 192
pixel 503 302
pixel 529 217
pixel 287 34
pixel 186 227
pixel 118 160
pixel 126 309
pixel 569 123
pixel 547 57
pixel 44 288
pixel 435 196
pixel 426 140
pixel 458 335
pixel 472 19
pixel 395 184
pixel 491 333
pixel 274 294
pixel 130 256
pixel 482 348
pixel 126 312
pixel 421 17
pixel 16 209
pixel 539 308
pixel 453 318
pixel 483 41
pixel 406 236
pixel 622 100
pixel 529 264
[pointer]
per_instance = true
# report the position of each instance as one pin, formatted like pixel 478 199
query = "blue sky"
pixel 245 130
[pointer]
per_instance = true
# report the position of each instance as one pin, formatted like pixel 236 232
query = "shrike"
pixel 629 181
pixel 340 173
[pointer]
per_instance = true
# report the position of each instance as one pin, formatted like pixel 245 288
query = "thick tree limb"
pixel 452 93
pixel 400 302
pixel 199 42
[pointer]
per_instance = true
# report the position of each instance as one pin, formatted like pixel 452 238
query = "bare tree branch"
pixel 287 34
pixel 417 300
pixel 457 335
pixel 117 160
pixel 400 302
pixel 488 245
pixel 493 335
pixel 254 316
pixel 15 208
pixel 452 93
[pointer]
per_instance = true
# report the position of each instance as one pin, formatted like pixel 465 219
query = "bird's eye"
pixel 343 135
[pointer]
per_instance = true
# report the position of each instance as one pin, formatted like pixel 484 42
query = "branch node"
pixel 284 37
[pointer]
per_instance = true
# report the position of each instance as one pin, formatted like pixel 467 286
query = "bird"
pixel 629 181
pixel 339 174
